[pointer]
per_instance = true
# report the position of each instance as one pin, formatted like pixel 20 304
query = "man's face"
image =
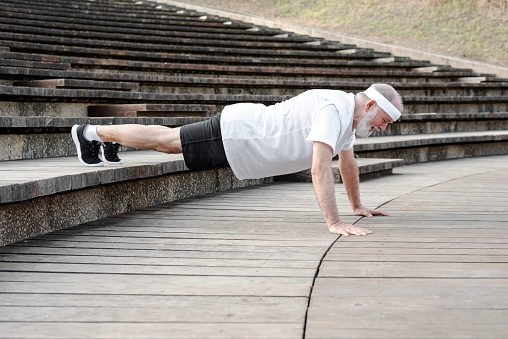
pixel 375 120
pixel 364 127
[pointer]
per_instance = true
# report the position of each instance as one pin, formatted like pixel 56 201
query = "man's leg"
pixel 88 138
pixel 154 137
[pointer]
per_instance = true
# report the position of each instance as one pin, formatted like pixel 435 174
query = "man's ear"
pixel 369 105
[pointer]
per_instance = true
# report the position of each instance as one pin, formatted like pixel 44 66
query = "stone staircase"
pixel 67 62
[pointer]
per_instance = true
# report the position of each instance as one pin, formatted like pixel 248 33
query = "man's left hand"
pixel 367 212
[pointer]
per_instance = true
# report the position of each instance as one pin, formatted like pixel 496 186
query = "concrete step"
pixel 126 11
pixel 190 47
pixel 430 123
pixel 190 84
pixel 442 104
pixel 204 85
pixel 174 25
pixel 141 18
pixel 452 104
pixel 317 61
pixel 94 26
pixel 104 70
pixel 255 85
pixel 43 195
pixel 9 62
pixel 434 147
pixel 175 52
pixel 43 122
pixel 112 39
pixel 100 14
pixel 28 179
pixel 80 84
pixel 152 110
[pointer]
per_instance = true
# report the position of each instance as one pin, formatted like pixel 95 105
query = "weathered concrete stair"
pixel 42 195
pixel 434 147
pixel 152 110
pixel 82 84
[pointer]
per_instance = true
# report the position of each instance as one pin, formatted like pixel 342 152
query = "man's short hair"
pixel 389 93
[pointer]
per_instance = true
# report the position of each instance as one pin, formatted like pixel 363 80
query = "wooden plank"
pixel 20 282
pixel 470 301
pixel 191 232
pixel 429 246
pixel 390 317
pixel 7 269
pixel 401 330
pixel 151 261
pixel 140 301
pixel 180 239
pixel 151 330
pixel 414 270
pixel 169 245
pixel 352 252
pixel 409 287
pixel 217 313
pixel 421 258
pixel 169 253
pixel 397 324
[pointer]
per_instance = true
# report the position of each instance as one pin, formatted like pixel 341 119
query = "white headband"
pixel 382 102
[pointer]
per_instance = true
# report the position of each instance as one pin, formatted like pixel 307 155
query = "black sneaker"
pixel 88 151
pixel 110 153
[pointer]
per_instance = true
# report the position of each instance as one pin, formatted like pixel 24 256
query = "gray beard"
pixel 363 129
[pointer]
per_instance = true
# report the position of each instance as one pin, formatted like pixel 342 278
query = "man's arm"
pixel 324 186
pixel 349 173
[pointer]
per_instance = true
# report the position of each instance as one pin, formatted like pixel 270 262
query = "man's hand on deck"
pixel 341 228
pixel 367 212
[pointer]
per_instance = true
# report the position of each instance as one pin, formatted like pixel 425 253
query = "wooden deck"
pixel 241 265
pixel 436 268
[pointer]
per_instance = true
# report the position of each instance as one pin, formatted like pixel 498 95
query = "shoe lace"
pixel 94 148
pixel 115 147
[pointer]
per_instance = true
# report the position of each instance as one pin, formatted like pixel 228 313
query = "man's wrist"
pixel 357 207
pixel 337 222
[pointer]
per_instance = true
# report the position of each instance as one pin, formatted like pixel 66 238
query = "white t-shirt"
pixel 262 141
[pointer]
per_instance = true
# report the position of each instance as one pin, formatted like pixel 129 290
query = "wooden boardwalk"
pixel 241 264
pixel 436 268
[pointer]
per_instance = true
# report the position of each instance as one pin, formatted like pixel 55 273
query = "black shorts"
pixel 202 145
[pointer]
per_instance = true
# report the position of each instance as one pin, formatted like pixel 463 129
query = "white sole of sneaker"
pixel 74 133
pixel 109 162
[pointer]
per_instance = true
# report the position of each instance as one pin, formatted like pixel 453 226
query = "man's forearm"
pixel 324 186
pixel 325 193
pixel 349 173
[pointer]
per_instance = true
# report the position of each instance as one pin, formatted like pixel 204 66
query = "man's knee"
pixel 168 140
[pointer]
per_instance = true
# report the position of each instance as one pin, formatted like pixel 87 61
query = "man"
pixel 257 141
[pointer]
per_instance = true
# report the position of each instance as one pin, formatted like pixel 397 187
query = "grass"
pixel 464 28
